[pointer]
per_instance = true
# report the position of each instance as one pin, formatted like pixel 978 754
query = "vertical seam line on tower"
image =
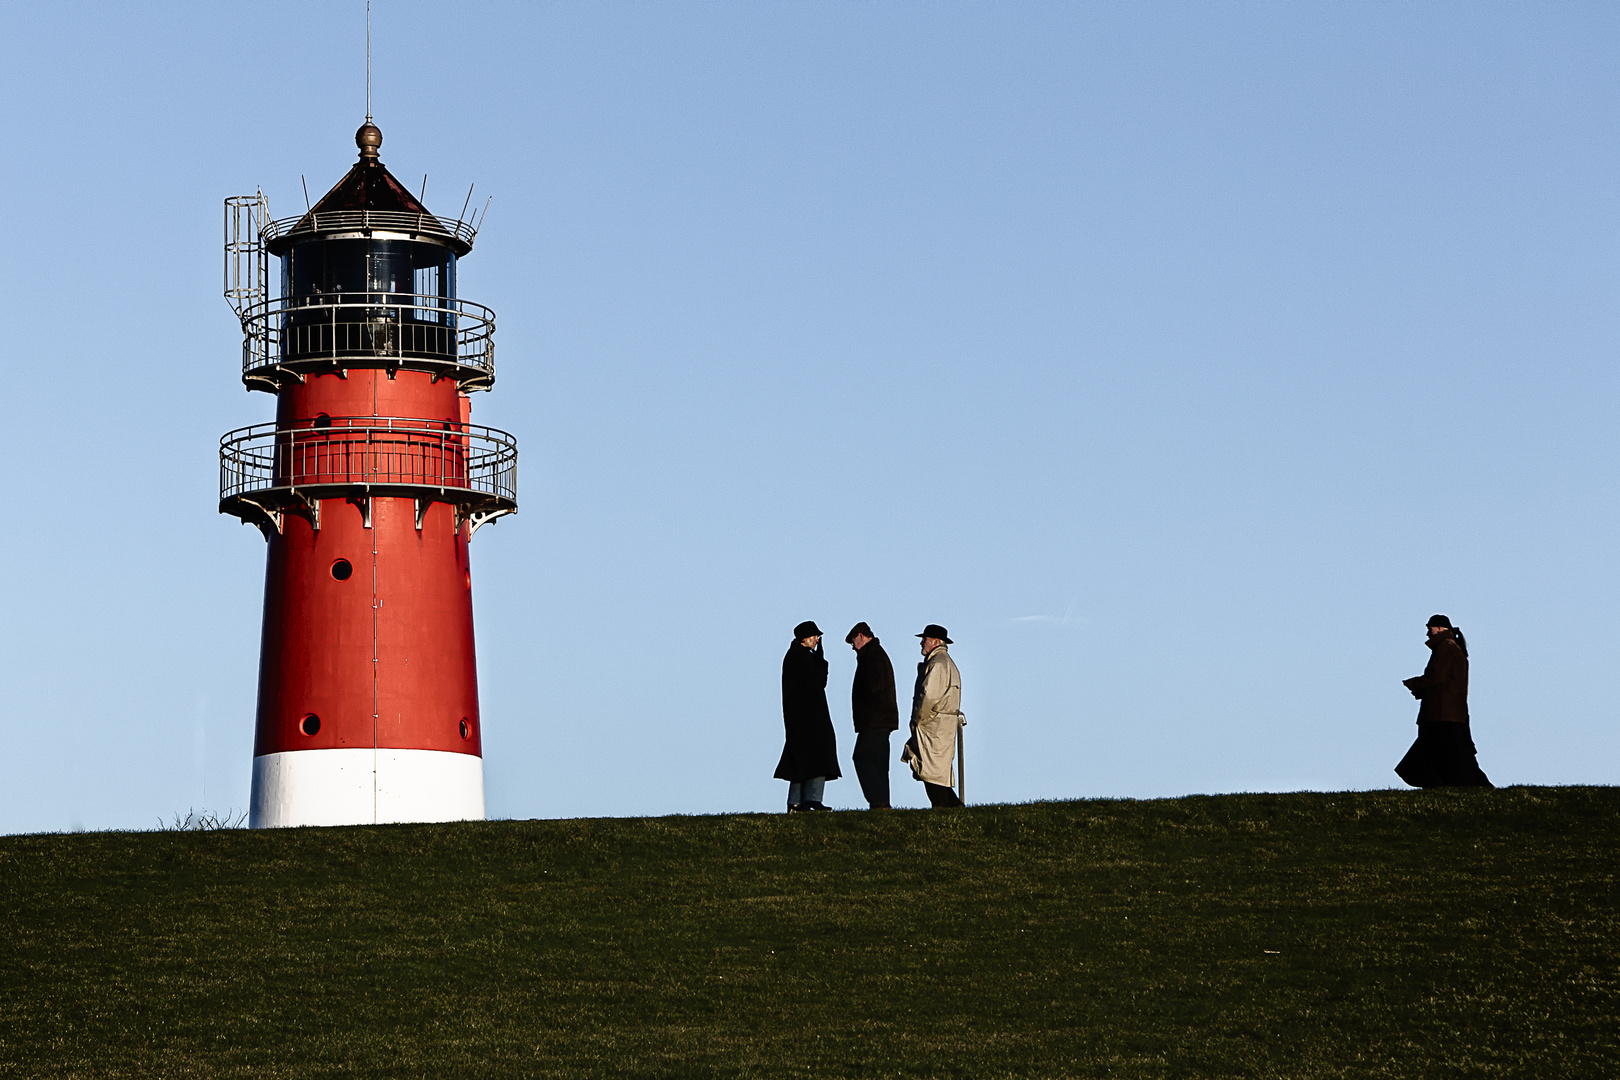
pixel 374 675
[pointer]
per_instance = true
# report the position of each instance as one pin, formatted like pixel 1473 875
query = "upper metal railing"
pixel 465 464
pixel 449 336
pixel 461 233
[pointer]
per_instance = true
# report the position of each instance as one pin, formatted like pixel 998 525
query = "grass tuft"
pixel 203 821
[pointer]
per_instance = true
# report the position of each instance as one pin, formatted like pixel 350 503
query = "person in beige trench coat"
pixel 936 717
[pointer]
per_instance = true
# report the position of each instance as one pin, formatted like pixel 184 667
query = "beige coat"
pixel 936 714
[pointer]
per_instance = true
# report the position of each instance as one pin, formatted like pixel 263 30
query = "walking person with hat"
pixel 810 752
pixel 876 713
pixel 936 717
pixel 1444 754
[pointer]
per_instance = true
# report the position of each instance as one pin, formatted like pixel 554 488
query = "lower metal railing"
pixel 432 458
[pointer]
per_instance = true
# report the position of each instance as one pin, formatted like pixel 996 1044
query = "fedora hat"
pixel 934 630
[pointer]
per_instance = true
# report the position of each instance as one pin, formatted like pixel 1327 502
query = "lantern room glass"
pixel 368 297
pixel 370 272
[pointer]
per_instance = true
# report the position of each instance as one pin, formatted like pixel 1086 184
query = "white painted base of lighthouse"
pixel 365 787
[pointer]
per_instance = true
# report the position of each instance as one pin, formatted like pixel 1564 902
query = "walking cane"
pixel 961 764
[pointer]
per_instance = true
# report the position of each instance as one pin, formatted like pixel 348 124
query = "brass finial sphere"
pixel 368 139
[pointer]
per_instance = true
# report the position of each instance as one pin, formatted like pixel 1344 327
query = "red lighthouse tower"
pixel 368 487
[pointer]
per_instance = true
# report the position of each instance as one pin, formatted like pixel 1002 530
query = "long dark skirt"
pixel 1443 756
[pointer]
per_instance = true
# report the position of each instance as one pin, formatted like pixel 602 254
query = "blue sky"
pixel 1181 359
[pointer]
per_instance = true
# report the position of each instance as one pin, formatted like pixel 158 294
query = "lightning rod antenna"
pixel 301 180
pixel 468 201
pixel 368 61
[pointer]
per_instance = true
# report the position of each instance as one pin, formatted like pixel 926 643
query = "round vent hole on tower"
pixel 342 569
pixel 310 724
pixel 322 421
pixel 466 728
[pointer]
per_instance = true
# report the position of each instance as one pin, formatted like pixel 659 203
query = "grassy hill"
pixel 1382 934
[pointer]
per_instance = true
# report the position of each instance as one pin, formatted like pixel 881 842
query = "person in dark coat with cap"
pixel 873 705
pixel 810 754
pixel 1444 754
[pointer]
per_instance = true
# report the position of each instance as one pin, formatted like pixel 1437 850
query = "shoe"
pixel 815 806
pixel 880 806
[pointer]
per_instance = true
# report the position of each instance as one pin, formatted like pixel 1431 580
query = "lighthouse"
pixel 368 488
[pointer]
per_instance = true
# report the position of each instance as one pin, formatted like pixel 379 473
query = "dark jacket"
pixel 872 700
pixel 811 748
pixel 1443 686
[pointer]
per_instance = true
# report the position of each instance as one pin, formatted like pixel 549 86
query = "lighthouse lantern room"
pixel 368 487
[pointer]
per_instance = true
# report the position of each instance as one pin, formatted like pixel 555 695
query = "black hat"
pixel 934 630
pixel 858 628
pixel 806 629
pixel 1441 620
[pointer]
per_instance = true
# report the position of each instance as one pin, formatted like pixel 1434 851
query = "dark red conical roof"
pixel 370 189
pixel 370 186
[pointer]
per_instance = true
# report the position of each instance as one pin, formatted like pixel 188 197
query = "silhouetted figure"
pixel 1444 754
pixel 810 753
pixel 876 712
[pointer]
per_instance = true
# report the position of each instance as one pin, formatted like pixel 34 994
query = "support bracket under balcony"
pixel 265 517
pixel 305 507
pixel 478 518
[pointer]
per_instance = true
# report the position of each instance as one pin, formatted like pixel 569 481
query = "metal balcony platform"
pixel 267 471
pixel 287 339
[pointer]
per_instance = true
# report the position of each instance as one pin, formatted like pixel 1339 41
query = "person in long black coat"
pixel 810 752
pixel 1444 753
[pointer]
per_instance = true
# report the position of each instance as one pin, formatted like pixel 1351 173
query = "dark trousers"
pixel 941 796
pixel 871 757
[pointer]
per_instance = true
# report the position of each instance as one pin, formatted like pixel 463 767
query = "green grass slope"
pixel 1382 934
